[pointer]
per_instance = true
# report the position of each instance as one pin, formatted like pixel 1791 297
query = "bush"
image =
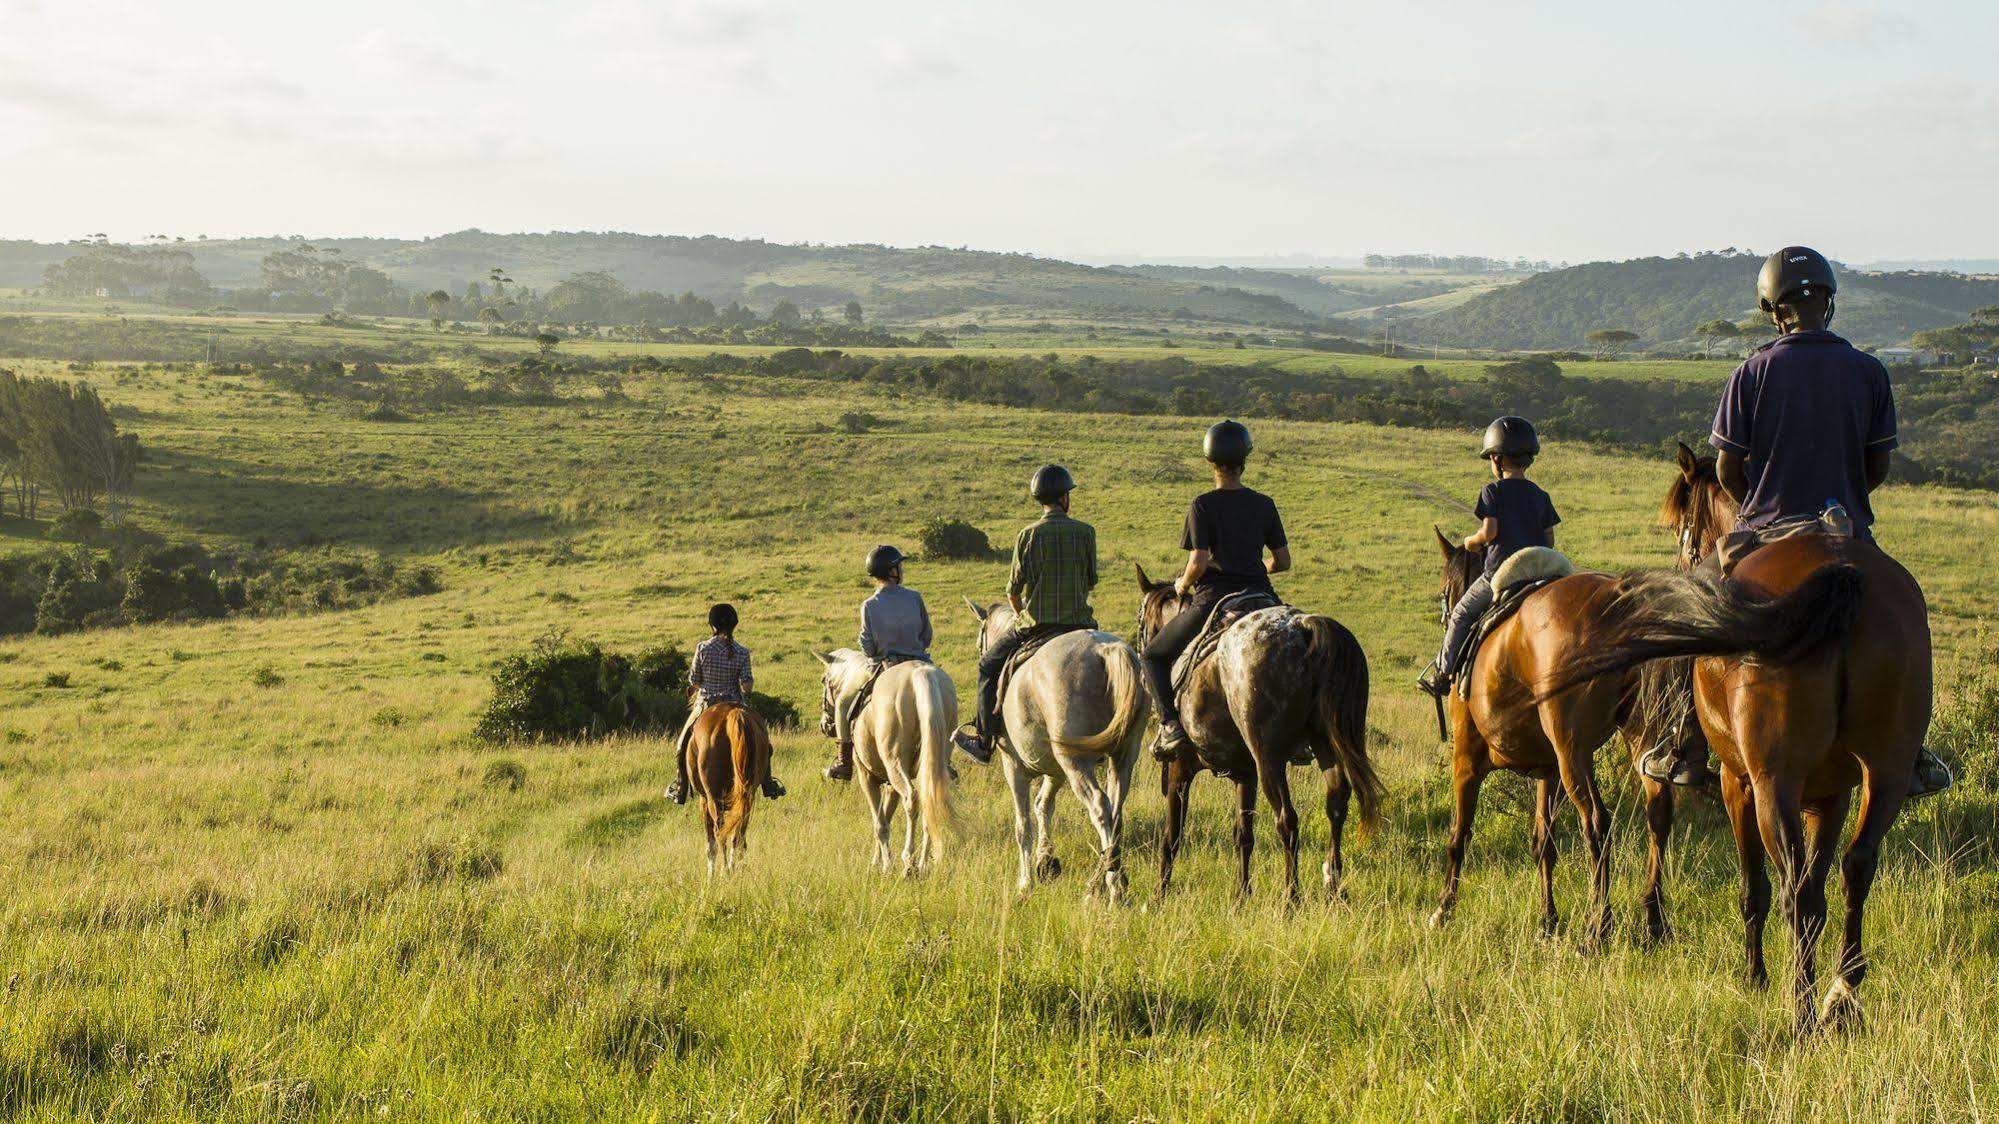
pixel 953 538
pixel 563 690
pixel 777 713
pixel 76 525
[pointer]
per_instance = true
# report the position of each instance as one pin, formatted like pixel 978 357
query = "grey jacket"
pixel 895 625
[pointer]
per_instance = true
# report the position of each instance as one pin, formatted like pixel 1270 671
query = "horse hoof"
pixel 1547 928
pixel 1841 1009
pixel 1115 885
pixel 1440 918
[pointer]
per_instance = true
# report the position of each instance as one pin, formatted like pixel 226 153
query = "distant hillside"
pixel 898 285
pixel 1327 292
pixel 1665 299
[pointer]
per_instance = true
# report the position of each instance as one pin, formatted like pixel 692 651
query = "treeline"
pixel 124 578
pixel 1949 422
pixel 110 270
pixel 1463 263
pixel 58 437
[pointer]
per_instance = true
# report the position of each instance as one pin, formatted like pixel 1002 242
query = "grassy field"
pixel 260 868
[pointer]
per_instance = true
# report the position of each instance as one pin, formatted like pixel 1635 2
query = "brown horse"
pixel 1554 741
pixel 1279 680
pixel 1814 678
pixel 728 757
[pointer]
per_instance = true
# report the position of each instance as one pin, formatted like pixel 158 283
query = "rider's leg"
pixel 986 722
pixel 677 791
pixel 1457 629
pixel 1167 644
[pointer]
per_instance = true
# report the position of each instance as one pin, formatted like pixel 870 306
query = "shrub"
pixel 952 538
pixel 506 773
pixel 267 676
pixel 777 713
pixel 573 690
pixel 57 679
pixel 76 525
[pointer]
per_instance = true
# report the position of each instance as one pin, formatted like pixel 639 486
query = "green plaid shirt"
pixel 1054 569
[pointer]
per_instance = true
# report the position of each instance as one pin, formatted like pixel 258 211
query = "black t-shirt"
pixel 1233 524
pixel 1524 512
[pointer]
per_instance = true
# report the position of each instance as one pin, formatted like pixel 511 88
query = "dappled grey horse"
pixel 1076 705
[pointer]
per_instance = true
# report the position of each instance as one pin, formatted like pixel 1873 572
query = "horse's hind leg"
pixel 1270 770
pixel 1176 779
pixel 1046 865
pixel 1018 782
pixel 881 808
pixel 1097 806
pixel 1546 795
pixel 1578 767
pixel 1338 794
pixel 1658 827
pixel 1245 830
pixel 1823 821
pixel 1881 804
pixel 1755 896
pixel 1780 819
pixel 1117 786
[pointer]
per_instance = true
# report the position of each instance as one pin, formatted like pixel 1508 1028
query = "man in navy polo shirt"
pixel 1805 424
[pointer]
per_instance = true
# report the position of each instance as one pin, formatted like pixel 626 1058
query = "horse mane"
pixel 1690 498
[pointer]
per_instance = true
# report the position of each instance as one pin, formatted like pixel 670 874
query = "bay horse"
pixel 1278 681
pixel 728 757
pixel 1554 742
pixel 1814 676
pixel 902 746
pixel 1075 706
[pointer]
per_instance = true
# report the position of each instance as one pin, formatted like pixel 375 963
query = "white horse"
pixel 1075 705
pixel 902 748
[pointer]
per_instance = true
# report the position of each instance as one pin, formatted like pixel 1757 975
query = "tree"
pixel 854 313
pixel 438 300
pixel 1610 342
pixel 785 313
pixel 545 342
pixel 1714 332
pixel 491 317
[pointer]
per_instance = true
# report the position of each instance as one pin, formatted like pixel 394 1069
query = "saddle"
pixel 1526 572
pixel 1737 545
pixel 1226 612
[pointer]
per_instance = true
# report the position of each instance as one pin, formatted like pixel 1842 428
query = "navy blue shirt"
pixel 1234 525
pixel 1803 412
pixel 1524 512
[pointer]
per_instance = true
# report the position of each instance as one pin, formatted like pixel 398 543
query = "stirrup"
pixel 1931 775
pixel 1171 742
pixel 1434 682
pixel 974 745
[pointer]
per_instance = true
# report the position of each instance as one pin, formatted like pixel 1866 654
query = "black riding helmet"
pixel 1051 482
pixel 1510 436
pixel 1792 274
pixel 883 560
pixel 722 618
pixel 1227 442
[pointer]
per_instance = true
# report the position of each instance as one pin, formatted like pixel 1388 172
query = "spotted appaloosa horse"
pixel 1278 680
pixel 1554 741
pixel 1813 677
pixel 728 757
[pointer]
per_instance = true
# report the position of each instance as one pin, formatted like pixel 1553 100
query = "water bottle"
pixel 1835 520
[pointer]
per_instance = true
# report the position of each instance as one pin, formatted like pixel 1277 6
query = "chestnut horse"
pixel 1554 741
pixel 1279 680
pixel 1814 678
pixel 728 757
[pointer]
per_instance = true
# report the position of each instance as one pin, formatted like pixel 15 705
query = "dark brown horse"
pixel 1815 678
pixel 728 757
pixel 1554 741
pixel 1279 680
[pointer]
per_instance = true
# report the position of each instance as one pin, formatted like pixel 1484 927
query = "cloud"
pixel 1857 25
pixel 905 67
pixel 711 23
pixel 423 57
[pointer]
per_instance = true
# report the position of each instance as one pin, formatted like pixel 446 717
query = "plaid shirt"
pixel 721 670
pixel 1054 569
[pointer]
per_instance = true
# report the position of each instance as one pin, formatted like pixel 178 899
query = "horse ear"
pixel 1145 584
pixel 1689 463
pixel 822 658
pixel 1444 542
pixel 974 607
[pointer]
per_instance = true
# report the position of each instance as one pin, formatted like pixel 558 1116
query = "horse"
pixel 1075 705
pixel 902 745
pixel 1279 680
pixel 1554 742
pixel 728 757
pixel 1813 677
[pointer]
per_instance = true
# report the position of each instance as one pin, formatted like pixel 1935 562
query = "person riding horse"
pixel 1804 431
pixel 1054 570
pixel 720 673
pixel 895 626
pixel 1227 530
pixel 1515 513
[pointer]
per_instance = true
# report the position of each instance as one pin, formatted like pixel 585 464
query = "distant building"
pixel 1908 357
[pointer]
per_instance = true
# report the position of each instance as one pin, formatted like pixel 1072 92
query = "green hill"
pixel 1665 299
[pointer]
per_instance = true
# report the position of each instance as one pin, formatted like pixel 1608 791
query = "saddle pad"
pixel 1507 602
pixel 1227 611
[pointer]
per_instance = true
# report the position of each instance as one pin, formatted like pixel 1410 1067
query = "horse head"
pixel 835 684
pixel 1697 509
pixel 993 620
pixel 1461 568
pixel 1158 603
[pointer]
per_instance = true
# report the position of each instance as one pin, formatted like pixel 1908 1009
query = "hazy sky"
pixel 1553 130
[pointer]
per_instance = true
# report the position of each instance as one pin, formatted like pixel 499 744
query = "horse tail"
pixel 1343 709
pixel 936 717
pixel 749 760
pixel 1668 614
pixel 1127 700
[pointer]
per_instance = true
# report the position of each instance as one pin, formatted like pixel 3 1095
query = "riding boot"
pixel 1435 681
pixel 1172 740
pixel 842 767
pixel 1688 768
pixel 1932 775
pixel 772 790
pixel 975 745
